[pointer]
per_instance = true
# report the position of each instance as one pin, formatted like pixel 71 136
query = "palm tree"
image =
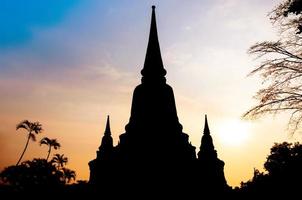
pixel 50 143
pixel 68 174
pixel 59 160
pixel 32 128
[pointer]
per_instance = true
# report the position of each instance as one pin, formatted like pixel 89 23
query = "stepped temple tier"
pixel 154 146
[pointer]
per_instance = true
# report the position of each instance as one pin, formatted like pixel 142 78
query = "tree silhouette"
pixel 50 143
pixel 33 175
pixel 68 175
pixel 59 160
pixel 32 128
pixel 283 172
pixel 281 67
pixel 292 8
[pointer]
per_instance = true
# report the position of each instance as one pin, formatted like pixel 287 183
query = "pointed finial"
pixel 206 130
pixel 153 66
pixel 107 130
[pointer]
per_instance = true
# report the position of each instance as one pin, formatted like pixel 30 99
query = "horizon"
pixel 69 65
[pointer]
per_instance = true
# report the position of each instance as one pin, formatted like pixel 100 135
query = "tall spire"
pixel 107 130
pixel 106 147
pixel 153 66
pixel 206 130
pixel 107 141
pixel 207 149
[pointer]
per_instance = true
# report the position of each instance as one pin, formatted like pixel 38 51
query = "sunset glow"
pixel 234 133
pixel 69 65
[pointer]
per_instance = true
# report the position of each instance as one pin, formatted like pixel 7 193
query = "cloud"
pixel 71 74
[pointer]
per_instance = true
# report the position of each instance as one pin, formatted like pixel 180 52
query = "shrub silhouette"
pixel 37 174
pixel 283 172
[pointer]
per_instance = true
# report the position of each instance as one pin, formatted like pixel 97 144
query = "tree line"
pixel 38 173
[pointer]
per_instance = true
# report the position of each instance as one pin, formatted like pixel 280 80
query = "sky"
pixel 70 63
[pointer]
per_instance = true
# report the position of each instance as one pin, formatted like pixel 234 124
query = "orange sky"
pixel 70 74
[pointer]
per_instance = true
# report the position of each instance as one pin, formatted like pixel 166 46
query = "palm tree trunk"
pixel 49 150
pixel 24 149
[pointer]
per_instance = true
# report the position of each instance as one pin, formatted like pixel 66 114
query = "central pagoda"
pixel 154 132
pixel 154 148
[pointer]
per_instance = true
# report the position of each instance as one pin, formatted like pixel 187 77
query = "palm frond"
pixel 32 137
pixel 55 144
pixel 23 124
pixel 69 174
pixel 36 127
pixel 45 141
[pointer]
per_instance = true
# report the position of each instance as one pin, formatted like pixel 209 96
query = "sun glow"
pixel 234 132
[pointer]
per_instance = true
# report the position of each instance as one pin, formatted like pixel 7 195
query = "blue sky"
pixel 18 18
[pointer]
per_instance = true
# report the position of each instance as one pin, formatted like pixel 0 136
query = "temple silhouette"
pixel 154 147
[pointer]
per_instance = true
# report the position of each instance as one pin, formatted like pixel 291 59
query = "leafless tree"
pixel 281 67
